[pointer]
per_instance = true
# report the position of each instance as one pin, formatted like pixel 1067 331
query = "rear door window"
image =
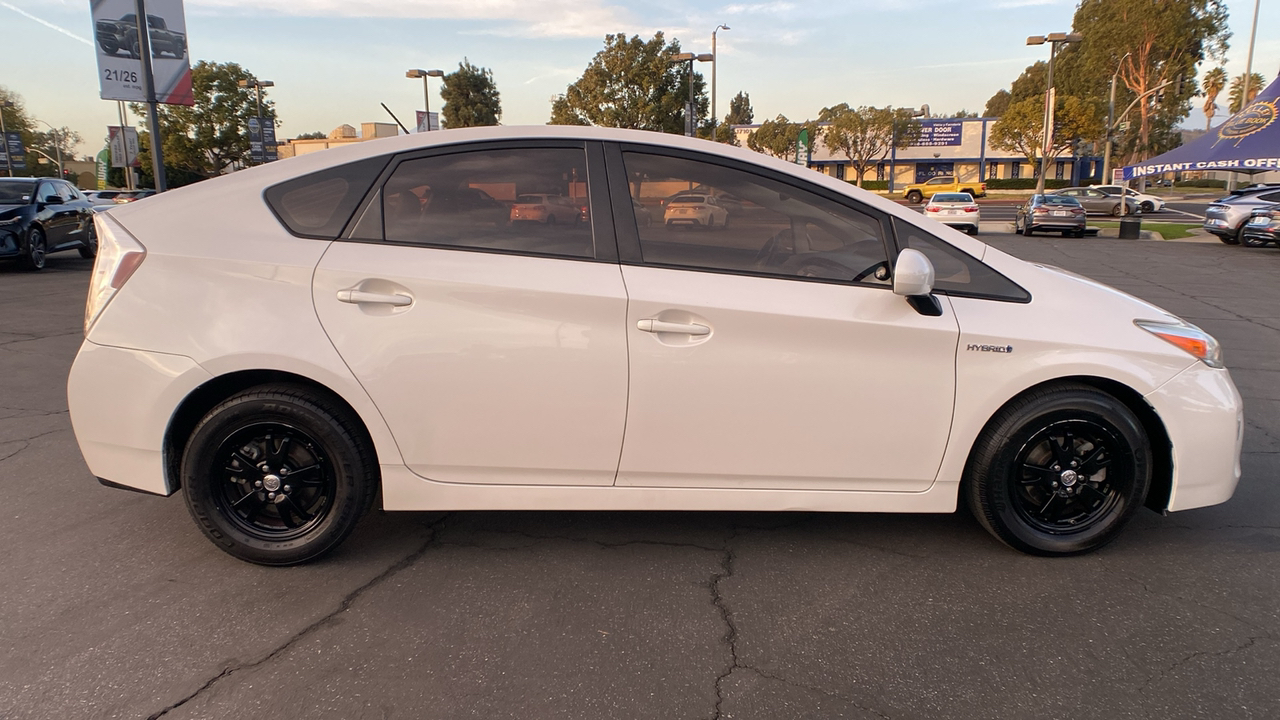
pixel 320 204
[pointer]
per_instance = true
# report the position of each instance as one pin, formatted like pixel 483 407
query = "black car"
pixel 1262 227
pixel 1051 213
pixel 42 215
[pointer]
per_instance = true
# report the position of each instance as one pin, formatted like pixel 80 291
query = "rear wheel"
pixel 1117 211
pixel 1059 471
pixel 914 197
pixel 90 249
pixel 1026 228
pixel 278 475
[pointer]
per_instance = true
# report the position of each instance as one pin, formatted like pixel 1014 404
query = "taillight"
pixel 1077 211
pixel 971 208
pixel 119 255
pixel 1040 210
pixel 931 209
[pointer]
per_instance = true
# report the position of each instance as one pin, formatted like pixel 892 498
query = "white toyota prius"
pixel 286 342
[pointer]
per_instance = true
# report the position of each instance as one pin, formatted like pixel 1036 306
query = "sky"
pixel 334 61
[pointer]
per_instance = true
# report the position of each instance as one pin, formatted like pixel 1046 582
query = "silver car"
pixel 1226 217
pixel 1096 201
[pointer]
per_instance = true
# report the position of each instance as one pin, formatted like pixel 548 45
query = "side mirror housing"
pixel 912 274
pixel 55 200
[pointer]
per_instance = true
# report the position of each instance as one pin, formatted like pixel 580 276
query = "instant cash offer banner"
pixel 115 33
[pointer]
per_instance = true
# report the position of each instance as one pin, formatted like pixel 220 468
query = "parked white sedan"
pixel 955 209
pixel 697 210
pixel 282 363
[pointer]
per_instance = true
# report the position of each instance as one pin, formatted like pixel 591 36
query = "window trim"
pixel 604 243
pixel 628 234
pixel 899 245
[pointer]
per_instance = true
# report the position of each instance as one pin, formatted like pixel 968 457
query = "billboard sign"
pixel 262 140
pixel 124 146
pixel 424 116
pixel 15 155
pixel 939 134
pixel 115 32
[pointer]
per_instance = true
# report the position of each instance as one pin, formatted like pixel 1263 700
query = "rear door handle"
pixel 352 295
pixel 653 325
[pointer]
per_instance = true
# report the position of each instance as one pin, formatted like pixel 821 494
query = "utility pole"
pixel 715 119
pixel 1111 112
pixel 1054 39
pixel 149 87
pixel 1248 75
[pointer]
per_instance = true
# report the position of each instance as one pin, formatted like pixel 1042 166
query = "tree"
pixel 1020 129
pixel 64 140
pixel 208 138
pixel 1236 93
pixel 470 97
pixel 317 135
pixel 866 135
pixel 17 120
pixel 998 104
pixel 632 84
pixel 1212 85
pixel 1164 40
pixel 781 138
pixel 740 113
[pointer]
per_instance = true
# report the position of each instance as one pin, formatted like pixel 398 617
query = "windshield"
pixel 689 200
pixel 530 199
pixel 1058 200
pixel 16 191
pixel 952 198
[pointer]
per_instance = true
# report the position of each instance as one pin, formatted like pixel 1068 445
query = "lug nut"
pixel 287 488
pixel 284 471
pixel 271 495
pixel 257 483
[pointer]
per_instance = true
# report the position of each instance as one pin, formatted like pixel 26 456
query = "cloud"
pixel 513 18
pixel 759 8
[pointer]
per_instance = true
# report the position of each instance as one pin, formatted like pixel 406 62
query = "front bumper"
pixel 121 402
pixel 1203 413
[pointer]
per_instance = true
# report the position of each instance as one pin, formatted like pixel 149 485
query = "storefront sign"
pixel 939 134
pixel 115 31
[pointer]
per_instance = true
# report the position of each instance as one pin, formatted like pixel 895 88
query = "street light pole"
pixel 715 119
pixel 690 57
pixel 57 146
pixel 4 137
pixel 426 91
pixel 1054 39
pixel 257 86
pixel 1111 112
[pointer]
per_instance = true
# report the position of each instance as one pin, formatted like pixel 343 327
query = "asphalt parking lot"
pixel 115 606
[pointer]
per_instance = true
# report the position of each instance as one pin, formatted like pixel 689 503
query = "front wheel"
pixel 90 249
pixel 914 197
pixel 1148 206
pixel 1026 228
pixel 1117 211
pixel 278 475
pixel 37 248
pixel 1059 471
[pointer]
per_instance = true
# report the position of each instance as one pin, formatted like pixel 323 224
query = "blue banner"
pixel 13 149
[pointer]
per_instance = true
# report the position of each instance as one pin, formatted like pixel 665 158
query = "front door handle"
pixel 352 295
pixel 653 325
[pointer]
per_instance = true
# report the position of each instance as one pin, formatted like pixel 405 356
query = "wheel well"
pixel 203 399
pixel 1161 448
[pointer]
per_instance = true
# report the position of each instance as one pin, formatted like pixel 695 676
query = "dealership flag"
pixel 115 33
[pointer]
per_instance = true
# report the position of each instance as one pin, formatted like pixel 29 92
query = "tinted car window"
pixel 47 191
pixel 952 198
pixel 320 204
pixel 526 200
pixel 67 192
pixel 756 225
pixel 1058 200
pixel 16 192
pixel 1272 197
pixel 957 272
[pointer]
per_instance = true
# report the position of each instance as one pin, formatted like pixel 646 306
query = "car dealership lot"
pixel 115 606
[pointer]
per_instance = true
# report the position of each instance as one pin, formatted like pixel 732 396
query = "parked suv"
pixel 1226 217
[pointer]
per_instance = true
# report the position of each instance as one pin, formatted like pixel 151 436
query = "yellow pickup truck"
pixel 920 192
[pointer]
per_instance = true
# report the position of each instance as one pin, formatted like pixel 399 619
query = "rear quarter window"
pixel 319 204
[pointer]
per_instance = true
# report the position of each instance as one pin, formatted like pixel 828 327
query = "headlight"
pixel 1194 341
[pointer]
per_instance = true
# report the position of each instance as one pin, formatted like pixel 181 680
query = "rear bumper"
pixel 121 402
pixel 1204 416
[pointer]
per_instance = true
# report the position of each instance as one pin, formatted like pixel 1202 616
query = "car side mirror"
pixel 913 279
pixel 55 200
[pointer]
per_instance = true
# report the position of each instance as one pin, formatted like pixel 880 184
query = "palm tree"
pixel 1237 90
pixel 1214 82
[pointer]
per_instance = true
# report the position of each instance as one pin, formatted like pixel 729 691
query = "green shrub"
pixel 873 184
pixel 1025 184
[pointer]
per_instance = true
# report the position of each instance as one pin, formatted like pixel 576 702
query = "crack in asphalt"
pixel 345 604
pixel 1248 643
pixel 26 442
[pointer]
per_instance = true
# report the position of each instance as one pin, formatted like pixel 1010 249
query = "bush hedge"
pixel 873 184
pixel 1025 184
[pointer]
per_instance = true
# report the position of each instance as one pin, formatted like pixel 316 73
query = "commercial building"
pixel 341 135
pixel 952 146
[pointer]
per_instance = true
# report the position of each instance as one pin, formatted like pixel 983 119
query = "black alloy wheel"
pixel 37 250
pixel 278 475
pixel 1059 471
pixel 1148 206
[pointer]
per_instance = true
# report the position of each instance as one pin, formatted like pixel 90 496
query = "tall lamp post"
pixel 257 86
pixel 426 91
pixel 4 137
pixel 57 145
pixel 715 119
pixel 688 110
pixel 1111 112
pixel 1054 40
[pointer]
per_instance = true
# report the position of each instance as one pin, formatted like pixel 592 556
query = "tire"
pixel 90 251
pixel 1117 211
pixel 1148 206
pixel 551 219
pixel 237 505
pixel 1229 239
pixel 711 222
pixel 1252 242
pixel 914 197
pixel 1026 229
pixel 109 46
pixel 1020 483
pixel 37 250
pixel 1068 233
pixel 135 50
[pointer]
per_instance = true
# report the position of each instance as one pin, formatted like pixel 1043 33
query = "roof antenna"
pixel 393 117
